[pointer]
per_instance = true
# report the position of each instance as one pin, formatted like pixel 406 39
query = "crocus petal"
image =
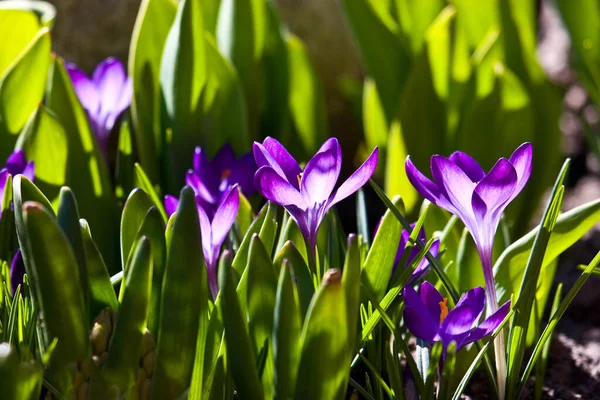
pixel 474 299
pixel 431 298
pixel 417 317
pixel 200 188
pixel 468 165
pixel 124 100
pixel 17 271
pixel 204 170
pixel 462 319
pixel 3 176
pixel 224 159
pixel 495 190
pixel 521 160
pixel 206 234
pixel 456 186
pixel 85 89
pixel 275 188
pixel 333 145
pixel 29 171
pixel 110 78
pixel 424 185
pixel 319 178
pixel 424 264
pixel 225 216
pixel 263 158
pixel 357 179
pixel 15 163
pixel 171 203
pixel 243 174
pixel 283 158
pixel 489 325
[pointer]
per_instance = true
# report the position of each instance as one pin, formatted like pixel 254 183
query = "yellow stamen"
pixel 300 178
pixel 444 309
pixel 225 174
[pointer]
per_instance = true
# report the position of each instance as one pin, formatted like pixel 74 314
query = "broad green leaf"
pixel 87 173
pixel 18 379
pixel 22 86
pixel 375 123
pixel 240 349
pixel 134 212
pixel 245 215
pixel 377 269
pixel 45 12
pixel 17 28
pixel 183 75
pixel 102 293
pixel 301 274
pixel 351 284
pixel 261 293
pixel 141 180
pixel 51 260
pixel 381 51
pixel 184 295
pixel 241 257
pixel 396 180
pixel 415 18
pixel 152 25
pixel 306 100
pixel 124 351
pixel 287 325
pixel 326 333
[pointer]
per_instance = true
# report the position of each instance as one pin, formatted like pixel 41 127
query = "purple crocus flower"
pixel 15 164
pixel 307 195
pixel 213 228
pixel 463 188
pixel 211 180
pixel 105 96
pixel 423 267
pixel 17 271
pixel 427 316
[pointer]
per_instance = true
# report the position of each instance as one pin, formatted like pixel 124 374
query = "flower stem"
pixel 311 254
pixel 492 307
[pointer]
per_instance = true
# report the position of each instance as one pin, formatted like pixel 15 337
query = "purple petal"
pixel 456 186
pixel 3 177
pixel 468 165
pixel 521 160
pixel 171 203
pixel 225 216
pixel 200 187
pixel 204 170
pixel 319 178
pixel 357 179
pixel 424 264
pixel 17 271
pixel 417 317
pixel 275 188
pixel 263 158
pixel 16 162
pixel 424 185
pixel 333 145
pixel 243 174
pixel 211 253
pixel 110 79
pixel 224 160
pixel 29 171
pixel 489 325
pixel 495 189
pixel 431 298
pixel 85 89
pixel 283 158
pixel 462 319
pixel 474 299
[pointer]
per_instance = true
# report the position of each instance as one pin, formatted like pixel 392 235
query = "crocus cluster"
pixel 15 164
pixel 104 96
pixel 428 317
pixel 307 194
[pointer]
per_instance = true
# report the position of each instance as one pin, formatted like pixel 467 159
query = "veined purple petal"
pixel 275 188
pixel 319 178
pixel 468 165
pixel 200 187
pixel 474 299
pixel 356 180
pixel 431 298
pixel 497 187
pixel 424 185
pixel 521 160
pixel 171 203
pixel 264 159
pixel 456 186
pixel 204 170
pixel 225 216
pixel 333 145
pixel 3 176
pixel 29 171
pixel 124 99
pixel 463 318
pixel 417 317
pixel 110 79
pixel 243 174
pixel 207 237
pixel 424 264
pixel 284 159
pixel 85 89
pixel 489 325
pixel 224 159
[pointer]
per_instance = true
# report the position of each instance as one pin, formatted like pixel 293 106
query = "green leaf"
pixel 184 295
pixel 152 25
pixel 376 125
pixel 18 379
pixel 142 181
pixel 183 76
pixel 326 333
pixel 22 86
pixel 102 293
pixel 351 284
pixel 377 269
pixel 261 293
pixel 18 28
pixel 124 165
pixel 87 174
pixel 381 51
pixel 396 180
pixel 124 351
pixel 245 215
pixel 301 274
pixel 240 350
pixel 134 212
pixel 241 257
pixel 67 218
pixel 306 100
pixel 415 19
pixel 51 260
pixel 286 333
